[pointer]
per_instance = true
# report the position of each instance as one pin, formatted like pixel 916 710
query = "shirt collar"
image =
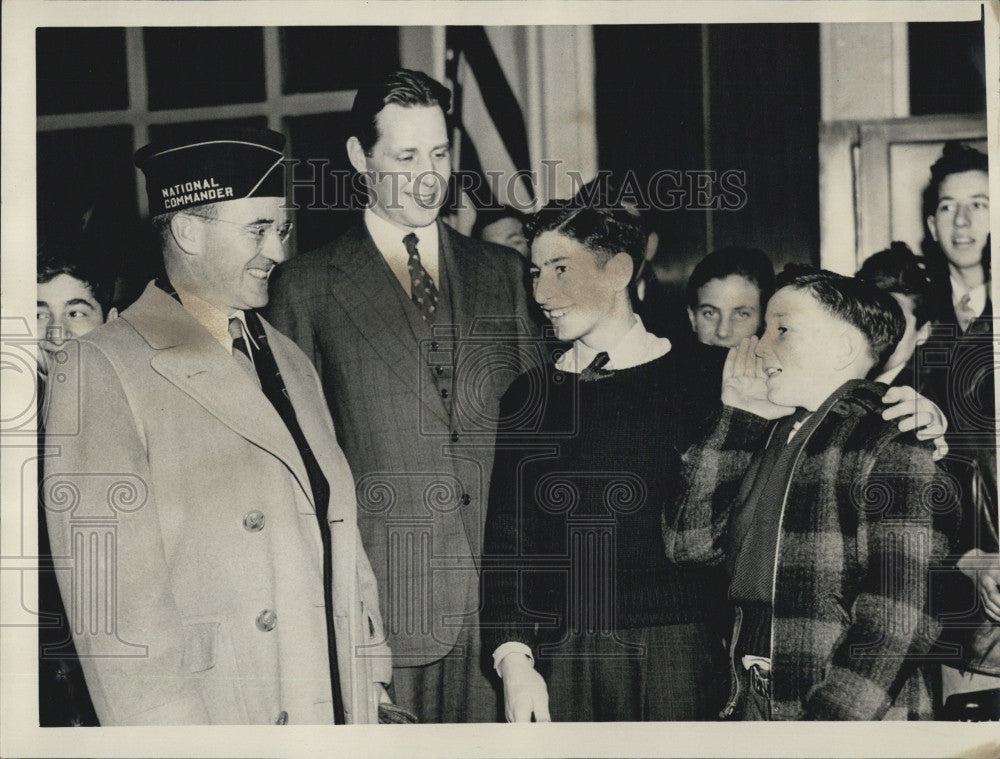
pixel 977 295
pixel 636 347
pixel 389 238
pixel 215 319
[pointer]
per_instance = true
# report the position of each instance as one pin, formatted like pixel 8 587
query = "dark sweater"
pixel 583 473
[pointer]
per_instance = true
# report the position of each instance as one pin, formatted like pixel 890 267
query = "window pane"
pixel 195 130
pixel 80 69
pixel 947 63
pixel 325 206
pixel 86 175
pixel 78 168
pixel 190 67
pixel 322 58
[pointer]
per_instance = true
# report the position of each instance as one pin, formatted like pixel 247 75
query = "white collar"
pixel 636 347
pixel 215 319
pixel 389 238
pixel 977 295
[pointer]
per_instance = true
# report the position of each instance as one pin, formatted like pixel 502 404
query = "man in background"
pixel 502 226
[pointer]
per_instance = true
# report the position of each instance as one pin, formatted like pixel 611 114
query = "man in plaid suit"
pixel 416 332
pixel 830 519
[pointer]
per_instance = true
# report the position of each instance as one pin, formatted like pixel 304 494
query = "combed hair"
pixel 604 230
pixel 897 269
pixel 404 87
pixel 750 263
pixel 874 313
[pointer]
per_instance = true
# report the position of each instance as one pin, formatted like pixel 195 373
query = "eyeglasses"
pixel 257 231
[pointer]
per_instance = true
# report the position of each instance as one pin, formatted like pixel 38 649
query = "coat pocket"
pixel 200 644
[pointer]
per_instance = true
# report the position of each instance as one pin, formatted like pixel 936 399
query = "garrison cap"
pixel 228 165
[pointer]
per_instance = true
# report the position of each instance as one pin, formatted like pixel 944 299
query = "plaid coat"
pixel 864 519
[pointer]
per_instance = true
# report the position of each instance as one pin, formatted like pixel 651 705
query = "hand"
pixel 915 412
pixel 984 571
pixel 524 690
pixel 744 384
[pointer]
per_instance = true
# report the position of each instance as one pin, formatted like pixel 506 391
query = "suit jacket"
pixel 180 498
pixel 866 516
pixel 416 414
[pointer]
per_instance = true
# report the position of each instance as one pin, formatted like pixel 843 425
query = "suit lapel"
pixel 362 282
pixel 463 267
pixel 192 360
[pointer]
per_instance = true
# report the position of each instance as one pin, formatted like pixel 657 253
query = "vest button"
pixel 466 499
pixel 267 620
pixel 444 392
pixel 254 521
pixel 454 437
pixel 282 718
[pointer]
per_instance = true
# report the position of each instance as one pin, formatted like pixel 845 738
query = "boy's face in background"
pixel 728 310
pixel 66 309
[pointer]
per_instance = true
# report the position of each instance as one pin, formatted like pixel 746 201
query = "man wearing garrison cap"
pixel 218 573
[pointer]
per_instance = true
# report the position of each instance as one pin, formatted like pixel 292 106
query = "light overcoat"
pixel 179 504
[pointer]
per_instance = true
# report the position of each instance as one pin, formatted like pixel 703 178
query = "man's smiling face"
pixel 409 165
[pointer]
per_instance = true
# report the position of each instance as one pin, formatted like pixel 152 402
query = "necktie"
pixel 240 350
pixel 423 292
pixel 273 386
pixel 964 312
pixel 595 370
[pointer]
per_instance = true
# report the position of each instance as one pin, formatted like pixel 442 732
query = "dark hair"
pixel 898 270
pixel 487 216
pixel 404 87
pixel 604 230
pixel 875 313
pixel 750 263
pixel 76 255
pixel 956 158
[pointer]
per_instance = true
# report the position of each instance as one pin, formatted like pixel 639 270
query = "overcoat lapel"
pixel 192 360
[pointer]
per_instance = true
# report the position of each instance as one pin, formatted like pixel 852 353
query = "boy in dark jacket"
pixel 828 517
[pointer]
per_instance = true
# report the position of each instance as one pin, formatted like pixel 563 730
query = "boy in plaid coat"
pixel 829 518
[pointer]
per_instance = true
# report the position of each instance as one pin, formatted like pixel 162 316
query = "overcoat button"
pixel 254 521
pixel 454 437
pixel 267 620
pixel 466 499
pixel 282 718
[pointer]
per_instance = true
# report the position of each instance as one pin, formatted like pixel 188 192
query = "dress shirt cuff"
pixel 510 647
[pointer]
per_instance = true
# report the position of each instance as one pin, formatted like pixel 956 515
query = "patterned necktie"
pixel 240 350
pixel 964 312
pixel 423 292
pixel 595 370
